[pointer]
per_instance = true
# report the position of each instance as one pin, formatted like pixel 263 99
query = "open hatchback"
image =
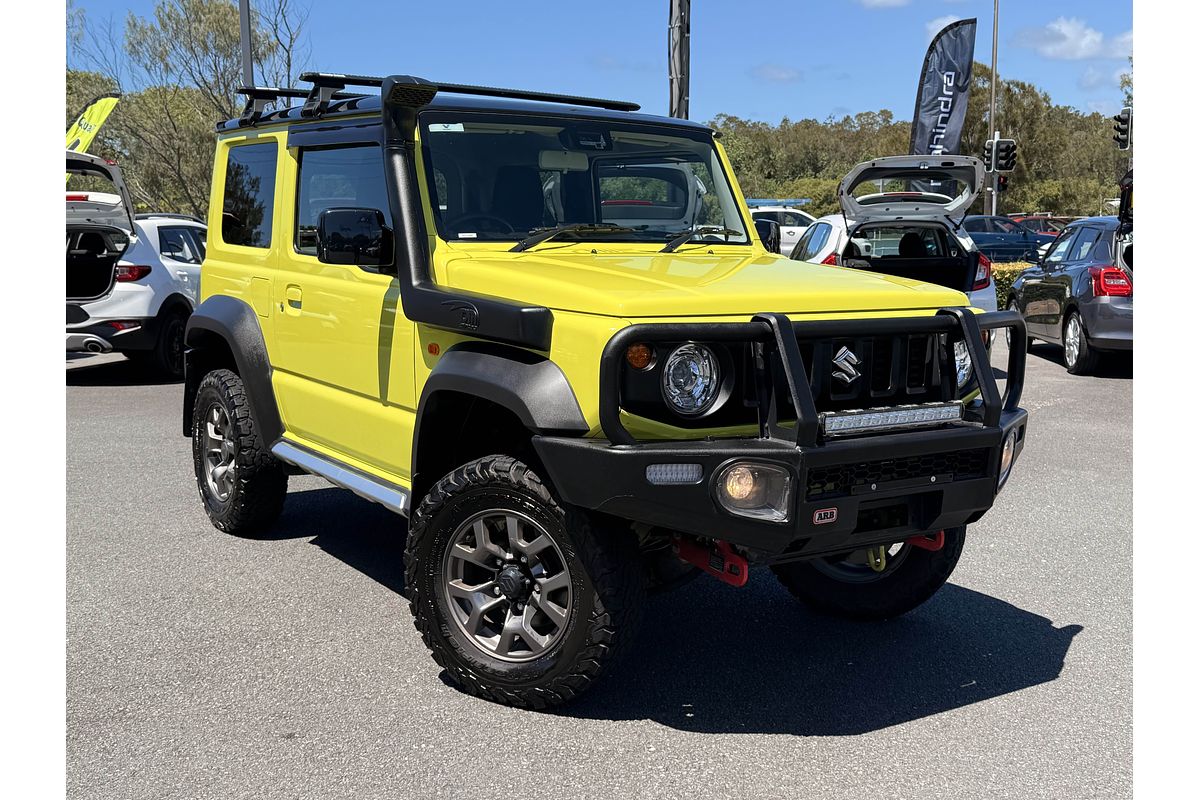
pixel 99 227
pixel 908 210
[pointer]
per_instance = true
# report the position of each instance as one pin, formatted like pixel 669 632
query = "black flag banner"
pixel 943 91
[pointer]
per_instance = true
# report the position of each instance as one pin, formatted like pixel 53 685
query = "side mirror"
pixel 353 236
pixel 768 231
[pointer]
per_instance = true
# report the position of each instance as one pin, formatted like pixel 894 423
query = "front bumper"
pixel 845 493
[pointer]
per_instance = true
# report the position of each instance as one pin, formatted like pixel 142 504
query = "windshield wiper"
pixel 539 235
pixel 709 230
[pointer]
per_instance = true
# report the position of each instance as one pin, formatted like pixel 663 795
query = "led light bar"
pixel 843 423
pixel 674 474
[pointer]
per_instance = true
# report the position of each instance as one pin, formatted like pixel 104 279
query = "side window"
pixel 177 244
pixel 249 195
pixel 771 215
pixel 201 235
pixel 820 235
pixel 977 225
pixel 1001 225
pixel 1058 250
pixel 336 177
pixel 1084 243
pixel 801 247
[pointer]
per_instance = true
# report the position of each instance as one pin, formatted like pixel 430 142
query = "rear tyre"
pixel 845 586
pixel 166 357
pixel 521 600
pixel 241 484
pixel 1078 355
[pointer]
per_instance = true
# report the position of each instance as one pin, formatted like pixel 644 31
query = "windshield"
pixel 499 177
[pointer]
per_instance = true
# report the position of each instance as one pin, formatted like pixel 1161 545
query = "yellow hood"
pixel 685 284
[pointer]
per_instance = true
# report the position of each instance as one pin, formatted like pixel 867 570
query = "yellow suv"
pixel 545 330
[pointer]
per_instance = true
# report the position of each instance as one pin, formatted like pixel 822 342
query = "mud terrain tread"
pixel 261 487
pixel 609 557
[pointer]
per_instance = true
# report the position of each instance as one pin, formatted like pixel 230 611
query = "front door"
pixel 1040 304
pixel 342 349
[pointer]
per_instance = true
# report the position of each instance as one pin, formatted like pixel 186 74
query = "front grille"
pixel 842 479
pixel 892 370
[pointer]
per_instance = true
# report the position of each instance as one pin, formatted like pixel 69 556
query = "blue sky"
pixel 756 59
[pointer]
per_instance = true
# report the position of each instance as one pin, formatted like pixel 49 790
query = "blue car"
pixel 1001 239
pixel 1080 295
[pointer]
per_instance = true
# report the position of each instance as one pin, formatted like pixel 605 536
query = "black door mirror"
pixel 768 231
pixel 353 236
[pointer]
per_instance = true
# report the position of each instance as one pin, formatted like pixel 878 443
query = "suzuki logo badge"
pixel 844 364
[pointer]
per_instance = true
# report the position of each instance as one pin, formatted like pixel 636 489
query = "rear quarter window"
pixel 249 200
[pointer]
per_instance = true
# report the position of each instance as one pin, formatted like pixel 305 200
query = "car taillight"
pixel 77 198
pixel 830 260
pixel 1110 282
pixel 983 273
pixel 131 272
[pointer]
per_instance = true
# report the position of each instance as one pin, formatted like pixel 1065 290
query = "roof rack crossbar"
pixel 324 82
pixel 257 98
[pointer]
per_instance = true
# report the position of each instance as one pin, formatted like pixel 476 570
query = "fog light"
pixel 674 474
pixel 1007 454
pixel 759 491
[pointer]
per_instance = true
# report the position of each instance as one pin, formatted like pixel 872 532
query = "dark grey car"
pixel 1081 294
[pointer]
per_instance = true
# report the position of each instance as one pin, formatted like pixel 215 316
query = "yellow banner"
pixel 87 125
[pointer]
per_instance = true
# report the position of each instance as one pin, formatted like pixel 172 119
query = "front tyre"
pixel 846 586
pixel 242 485
pixel 521 601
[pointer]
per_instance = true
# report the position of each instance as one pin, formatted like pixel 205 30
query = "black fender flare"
pixel 234 323
pixel 531 386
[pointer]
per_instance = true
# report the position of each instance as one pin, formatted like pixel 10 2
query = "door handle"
pixel 295 297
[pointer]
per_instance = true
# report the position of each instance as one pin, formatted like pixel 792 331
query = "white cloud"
pixel 934 25
pixel 776 73
pixel 1072 39
pixel 883 3
pixel 1094 78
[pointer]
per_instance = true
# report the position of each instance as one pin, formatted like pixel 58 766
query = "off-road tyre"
pixel 600 554
pixel 259 485
pixel 1088 357
pixel 892 593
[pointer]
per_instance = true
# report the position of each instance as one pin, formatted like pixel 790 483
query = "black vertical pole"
pixel 247 57
pixel 679 55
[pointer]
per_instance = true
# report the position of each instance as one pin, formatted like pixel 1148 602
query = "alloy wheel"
pixel 220 453
pixel 506 585
pixel 1072 339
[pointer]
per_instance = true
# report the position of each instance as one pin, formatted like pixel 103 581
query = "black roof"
pixel 368 104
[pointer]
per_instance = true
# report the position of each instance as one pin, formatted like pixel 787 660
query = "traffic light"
pixel 1006 155
pixel 988 163
pixel 1123 128
pixel 1002 183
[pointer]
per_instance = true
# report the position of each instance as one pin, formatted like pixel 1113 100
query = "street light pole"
pixel 992 112
pixel 247 58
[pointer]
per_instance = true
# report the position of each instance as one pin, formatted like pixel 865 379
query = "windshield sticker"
pixel 466 235
pixel 446 127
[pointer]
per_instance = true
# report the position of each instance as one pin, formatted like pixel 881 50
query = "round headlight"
pixel 691 379
pixel 962 363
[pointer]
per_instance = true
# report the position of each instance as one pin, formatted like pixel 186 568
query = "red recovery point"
pixel 933 541
pixel 721 562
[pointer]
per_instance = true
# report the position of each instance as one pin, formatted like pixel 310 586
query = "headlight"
pixel 691 379
pixel 1006 456
pixel 962 363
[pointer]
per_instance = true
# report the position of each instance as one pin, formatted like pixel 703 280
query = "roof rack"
pixel 326 87
pixel 257 98
pixel 167 215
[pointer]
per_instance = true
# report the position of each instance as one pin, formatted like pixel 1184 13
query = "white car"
pixel 911 234
pixel 792 223
pixel 131 283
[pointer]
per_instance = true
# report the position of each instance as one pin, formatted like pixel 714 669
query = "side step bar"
pixel 366 486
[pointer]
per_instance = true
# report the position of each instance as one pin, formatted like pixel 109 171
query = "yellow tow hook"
pixel 877 557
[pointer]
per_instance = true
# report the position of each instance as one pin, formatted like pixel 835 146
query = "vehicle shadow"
pixel 712 659
pixel 121 372
pixel 1118 365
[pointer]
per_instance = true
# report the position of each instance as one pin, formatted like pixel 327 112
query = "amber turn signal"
pixel 639 356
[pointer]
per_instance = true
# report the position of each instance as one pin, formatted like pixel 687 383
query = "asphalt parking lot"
pixel 205 666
